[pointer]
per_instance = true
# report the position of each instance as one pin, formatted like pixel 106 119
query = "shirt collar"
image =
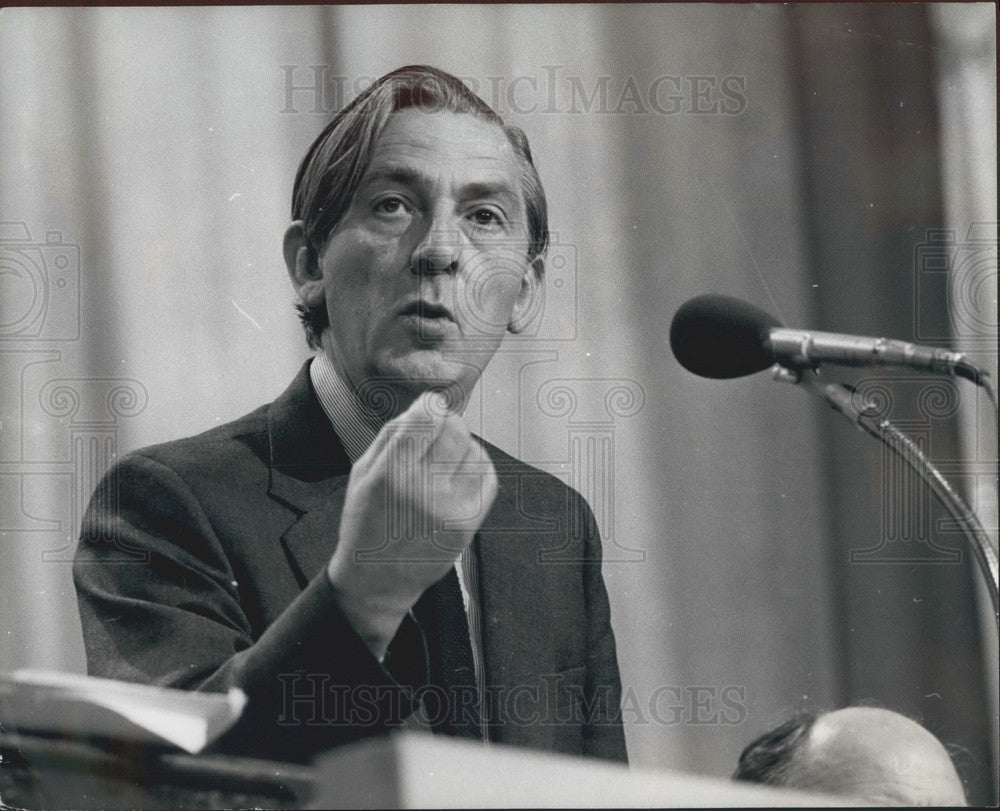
pixel 356 428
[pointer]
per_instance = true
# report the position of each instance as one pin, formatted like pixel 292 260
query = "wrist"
pixel 375 618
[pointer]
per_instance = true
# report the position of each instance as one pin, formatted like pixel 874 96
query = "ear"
pixel 303 265
pixel 529 297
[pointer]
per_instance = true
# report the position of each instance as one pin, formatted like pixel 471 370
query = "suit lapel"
pixel 309 470
pixel 513 584
pixel 309 473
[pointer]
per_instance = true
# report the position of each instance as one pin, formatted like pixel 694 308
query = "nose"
pixel 437 252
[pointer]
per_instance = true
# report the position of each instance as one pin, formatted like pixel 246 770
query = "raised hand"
pixel 414 502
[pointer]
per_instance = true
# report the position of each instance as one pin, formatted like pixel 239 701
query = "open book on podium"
pixel 70 741
pixel 67 705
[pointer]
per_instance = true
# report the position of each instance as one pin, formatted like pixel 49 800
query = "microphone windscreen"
pixel 721 337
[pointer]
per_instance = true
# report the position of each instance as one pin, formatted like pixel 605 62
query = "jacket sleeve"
pixel 159 604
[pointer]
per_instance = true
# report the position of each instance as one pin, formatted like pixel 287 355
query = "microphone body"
pixel 806 349
pixel 723 337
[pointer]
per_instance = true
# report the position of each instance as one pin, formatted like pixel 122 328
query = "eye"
pixel 389 205
pixel 486 217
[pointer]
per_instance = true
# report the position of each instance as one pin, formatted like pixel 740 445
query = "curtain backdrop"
pixel 760 557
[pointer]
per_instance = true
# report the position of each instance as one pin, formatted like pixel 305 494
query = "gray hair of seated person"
pixel 766 760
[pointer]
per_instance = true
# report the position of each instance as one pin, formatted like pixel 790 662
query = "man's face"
pixel 427 268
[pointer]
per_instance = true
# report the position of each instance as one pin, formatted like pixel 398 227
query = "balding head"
pixel 873 754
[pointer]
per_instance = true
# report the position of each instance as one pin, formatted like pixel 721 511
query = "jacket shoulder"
pixel 245 438
pixel 527 483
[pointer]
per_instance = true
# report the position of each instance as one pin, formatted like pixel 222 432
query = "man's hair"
pixel 334 165
pixel 767 759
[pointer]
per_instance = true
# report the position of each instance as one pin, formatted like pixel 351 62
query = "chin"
pixel 406 376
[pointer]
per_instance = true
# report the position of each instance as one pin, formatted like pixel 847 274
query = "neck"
pixel 381 398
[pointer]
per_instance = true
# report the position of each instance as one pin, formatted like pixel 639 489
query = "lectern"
pixel 407 770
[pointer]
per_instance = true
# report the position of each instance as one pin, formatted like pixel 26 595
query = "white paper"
pixel 69 704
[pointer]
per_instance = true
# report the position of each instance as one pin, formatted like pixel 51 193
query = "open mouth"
pixel 425 309
pixel 429 323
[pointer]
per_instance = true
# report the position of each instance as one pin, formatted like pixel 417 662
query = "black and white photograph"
pixel 532 405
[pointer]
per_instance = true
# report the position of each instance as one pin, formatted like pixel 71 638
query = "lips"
pixel 427 309
pixel 428 322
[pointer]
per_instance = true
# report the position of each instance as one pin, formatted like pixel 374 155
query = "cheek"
pixel 363 273
pixel 488 296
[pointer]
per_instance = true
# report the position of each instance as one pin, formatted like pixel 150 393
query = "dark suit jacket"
pixel 202 566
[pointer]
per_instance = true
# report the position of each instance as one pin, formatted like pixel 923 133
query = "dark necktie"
pixel 451 701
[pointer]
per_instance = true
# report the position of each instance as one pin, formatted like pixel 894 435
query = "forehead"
pixel 461 144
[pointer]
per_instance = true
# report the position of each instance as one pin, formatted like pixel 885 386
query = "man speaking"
pixel 350 555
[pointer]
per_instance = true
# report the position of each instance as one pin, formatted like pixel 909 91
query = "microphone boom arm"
pixel 842 400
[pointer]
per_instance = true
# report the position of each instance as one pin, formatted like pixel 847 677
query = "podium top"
pixel 405 770
pixel 412 770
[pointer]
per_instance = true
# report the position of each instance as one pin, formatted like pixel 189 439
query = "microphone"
pixel 724 337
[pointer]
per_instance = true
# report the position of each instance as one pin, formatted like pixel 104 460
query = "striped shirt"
pixel 357 430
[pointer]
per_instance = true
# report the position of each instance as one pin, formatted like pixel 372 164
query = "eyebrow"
pixel 406 176
pixel 402 175
pixel 488 189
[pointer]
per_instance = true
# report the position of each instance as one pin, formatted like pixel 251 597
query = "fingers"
pixel 461 469
pixel 441 436
pixel 416 420
pixel 429 464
